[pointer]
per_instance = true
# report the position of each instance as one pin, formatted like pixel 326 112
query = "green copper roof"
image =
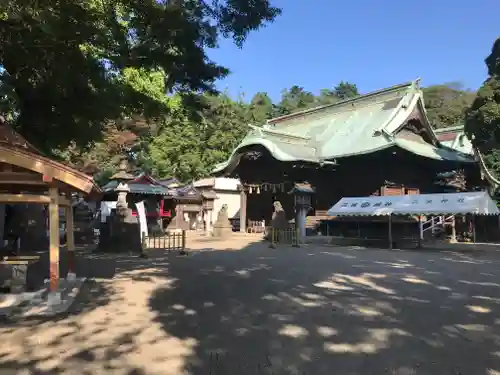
pixel 356 126
pixel 139 188
pixel 460 142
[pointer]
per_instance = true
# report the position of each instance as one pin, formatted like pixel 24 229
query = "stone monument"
pixel 278 220
pixel 222 228
pixel 279 224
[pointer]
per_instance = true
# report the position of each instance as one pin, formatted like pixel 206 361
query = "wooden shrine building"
pixel 193 208
pixel 28 177
pixel 168 204
pixel 152 192
pixel 376 144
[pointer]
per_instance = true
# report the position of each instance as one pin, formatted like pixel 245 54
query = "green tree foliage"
pixel 187 149
pixel 129 136
pixel 482 120
pixel 296 98
pixel 345 90
pixel 446 104
pixel 68 61
pixel 483 117
pixel 261 108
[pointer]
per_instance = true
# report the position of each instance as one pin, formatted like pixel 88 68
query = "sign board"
pixel 479 203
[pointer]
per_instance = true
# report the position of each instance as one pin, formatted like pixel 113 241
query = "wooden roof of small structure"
pixel 29 165
pixel 143 184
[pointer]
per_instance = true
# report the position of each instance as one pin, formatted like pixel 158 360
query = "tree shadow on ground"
pixel 324 310
pixel 310 310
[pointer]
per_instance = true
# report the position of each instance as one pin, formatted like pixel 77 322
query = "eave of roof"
pixel 455 128
pixel 169 182
pixel 137 188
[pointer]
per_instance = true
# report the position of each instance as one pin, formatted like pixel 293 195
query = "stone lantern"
pixel 302 193
pixel 122 177
pixel 123 228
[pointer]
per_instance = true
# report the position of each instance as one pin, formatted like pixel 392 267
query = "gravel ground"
pixel 312 310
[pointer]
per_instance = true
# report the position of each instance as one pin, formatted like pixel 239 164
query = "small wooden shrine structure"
pixel 28 177
pixel 144 188
pixel 193 203
pixel 166 201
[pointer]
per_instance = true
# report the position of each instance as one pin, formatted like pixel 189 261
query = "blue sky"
pixel 375 44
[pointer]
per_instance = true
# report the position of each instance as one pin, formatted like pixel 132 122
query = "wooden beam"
pixel 24 198
pixel 20 178
pixel 5 167
pixel 63 201
pixel 54 238
pixel 33 198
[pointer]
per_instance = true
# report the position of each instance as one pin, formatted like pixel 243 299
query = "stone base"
pixel 222 232
pixel 41 302
pixel 54 298
pixel 17 288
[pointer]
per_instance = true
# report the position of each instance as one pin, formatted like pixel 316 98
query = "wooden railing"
pixel 289 236
pixel 170 241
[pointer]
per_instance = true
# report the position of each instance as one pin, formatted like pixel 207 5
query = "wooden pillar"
pixel 243 209
pixel 54 238
pixel 2 223
pixel 70 240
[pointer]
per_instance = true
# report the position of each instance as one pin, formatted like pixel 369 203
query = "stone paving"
pixel 310 310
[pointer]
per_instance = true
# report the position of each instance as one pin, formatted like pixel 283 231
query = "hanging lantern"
pixel 250 189
pixel 258 189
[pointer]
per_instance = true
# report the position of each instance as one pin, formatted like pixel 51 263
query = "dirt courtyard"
pixel 311 311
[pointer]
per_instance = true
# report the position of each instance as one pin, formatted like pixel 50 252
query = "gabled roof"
pixel 141 184
pixel 10 138
pixel 357 126
pixel 169 182
pixel 205 182
pixel 209 194
pixel 187 192
pixel 16 151
pixel 302 188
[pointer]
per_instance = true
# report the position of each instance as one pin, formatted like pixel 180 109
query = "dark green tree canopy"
pixel 482 122
pixel 66 61
pixel 345 90
pixel 446 103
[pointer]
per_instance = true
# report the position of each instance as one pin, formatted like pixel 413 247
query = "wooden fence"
pixel 170 241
